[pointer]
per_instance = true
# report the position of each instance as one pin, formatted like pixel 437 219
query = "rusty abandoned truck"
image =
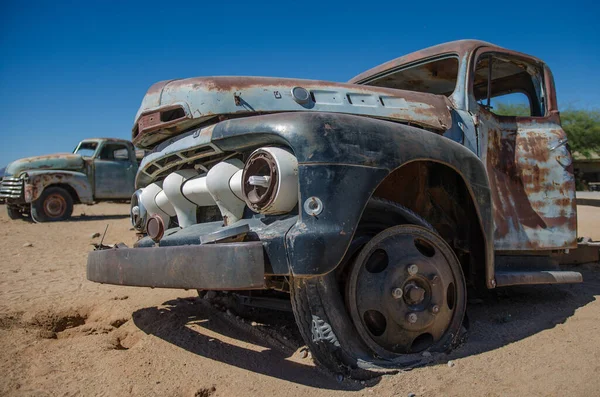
pixel 375 204
pixel 46 187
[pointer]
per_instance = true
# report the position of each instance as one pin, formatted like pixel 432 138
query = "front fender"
pixel 38 180
pixel 342 159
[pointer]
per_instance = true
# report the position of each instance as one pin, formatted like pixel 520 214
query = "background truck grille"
pixel 11 188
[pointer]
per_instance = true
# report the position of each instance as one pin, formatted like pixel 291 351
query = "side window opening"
pixel 121 154
pixel 509 86
pixel 513 104
pixel 114 152
pixel 435 77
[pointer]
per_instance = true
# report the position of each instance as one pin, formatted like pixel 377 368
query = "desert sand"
pixel 64 336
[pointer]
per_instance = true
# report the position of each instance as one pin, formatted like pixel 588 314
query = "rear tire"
pixel 337 328
pixel 55 204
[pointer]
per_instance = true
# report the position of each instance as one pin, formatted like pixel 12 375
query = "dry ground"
pixel 64 336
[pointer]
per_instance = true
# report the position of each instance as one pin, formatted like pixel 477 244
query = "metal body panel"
pixel 38 180
pixel 505 279
pixel 114 179
pixel 214 266
pixel 205 98
pixel 270 231
pixel 342 159
pixel 532 182
pixel 59 161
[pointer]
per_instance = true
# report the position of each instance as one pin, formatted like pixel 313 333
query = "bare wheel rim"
pixel 55 205
pixel 403 293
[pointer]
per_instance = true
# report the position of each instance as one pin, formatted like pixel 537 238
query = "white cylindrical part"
pixel 163 203
pixel 196 191
pixel 185 209
pixel 218 184
pixel 148 199
pixel 235 184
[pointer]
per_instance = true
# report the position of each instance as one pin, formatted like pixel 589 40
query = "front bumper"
pixel 230 266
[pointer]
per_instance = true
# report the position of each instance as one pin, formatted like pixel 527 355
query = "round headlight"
pixel 138 212
pixel 270 181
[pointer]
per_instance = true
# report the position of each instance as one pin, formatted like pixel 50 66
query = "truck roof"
pixel 107 139
pixel 459 47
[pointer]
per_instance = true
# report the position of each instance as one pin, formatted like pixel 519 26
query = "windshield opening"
pixel 86 149
pixel 435 77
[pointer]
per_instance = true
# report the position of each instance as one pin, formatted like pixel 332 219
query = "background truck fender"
pixel 38 180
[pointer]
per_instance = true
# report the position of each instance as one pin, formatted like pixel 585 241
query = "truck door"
pixel 525 151
pixel 114 172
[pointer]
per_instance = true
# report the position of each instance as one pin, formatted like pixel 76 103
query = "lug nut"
pixel 412 318
pixel 397 293
pixel 413 269
pixel 435 309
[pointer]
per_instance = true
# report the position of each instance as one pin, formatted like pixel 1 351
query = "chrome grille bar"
pixel 11 188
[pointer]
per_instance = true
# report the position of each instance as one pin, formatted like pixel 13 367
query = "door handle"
pixel 560 143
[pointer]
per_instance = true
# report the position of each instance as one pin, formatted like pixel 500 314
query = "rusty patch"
pixel 37 182
pixel 228 97
pixel 532 192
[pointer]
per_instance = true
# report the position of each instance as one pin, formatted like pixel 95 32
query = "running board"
pixel 504 279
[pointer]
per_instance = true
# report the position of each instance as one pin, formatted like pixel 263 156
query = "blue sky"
pixel 80 69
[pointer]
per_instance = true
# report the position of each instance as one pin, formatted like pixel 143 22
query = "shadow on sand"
pixel 198 327
pixel 505 316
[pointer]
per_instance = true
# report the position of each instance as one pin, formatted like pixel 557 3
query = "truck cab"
pixel 45 188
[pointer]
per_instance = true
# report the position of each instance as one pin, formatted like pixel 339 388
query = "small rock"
pixel 95 235
pixel 412 395
pixel 254 323
pixel 27 245
pixel 339 377
pixel 46 334
pixel 426 354
pixel 362 382
pixel 229 313
pixel 210 295
pixel 451 363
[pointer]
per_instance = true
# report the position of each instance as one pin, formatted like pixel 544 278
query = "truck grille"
pixel 11 188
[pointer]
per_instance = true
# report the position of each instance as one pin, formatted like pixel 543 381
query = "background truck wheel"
pixel 55 204
pixel 399 291
pixel 13 212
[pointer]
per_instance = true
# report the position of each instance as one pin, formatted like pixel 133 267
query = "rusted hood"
pixel 171 107
pixel 59 161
